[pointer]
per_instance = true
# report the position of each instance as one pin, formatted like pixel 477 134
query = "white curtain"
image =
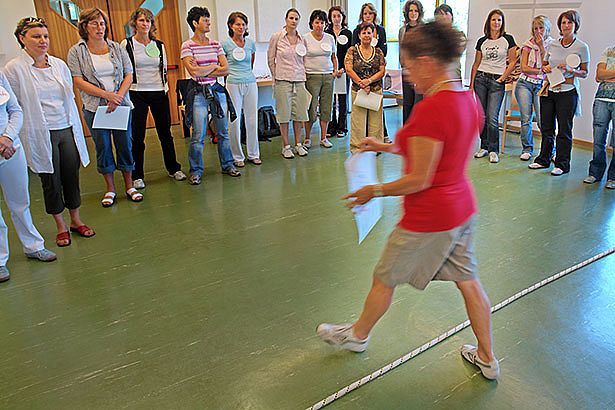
pixel 342 3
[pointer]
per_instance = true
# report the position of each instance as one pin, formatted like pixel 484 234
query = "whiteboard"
pixel 225 7
pixel 270 17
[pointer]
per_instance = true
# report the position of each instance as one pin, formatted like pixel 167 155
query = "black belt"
pixel 490 75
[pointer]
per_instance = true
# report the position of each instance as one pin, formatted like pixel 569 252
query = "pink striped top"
pixel 204 55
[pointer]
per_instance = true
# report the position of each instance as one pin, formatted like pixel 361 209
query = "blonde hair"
pixel 372 9
pixel 541 21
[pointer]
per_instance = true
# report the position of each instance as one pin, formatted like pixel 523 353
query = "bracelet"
pixel 378 191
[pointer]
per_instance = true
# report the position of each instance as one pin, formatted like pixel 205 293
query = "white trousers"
pixel 244 97
pixel 14 183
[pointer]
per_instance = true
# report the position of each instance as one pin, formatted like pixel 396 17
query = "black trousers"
pixel 61 189
pixel 411 97
pixel 158 102
pixel 558 107
pixel 339 115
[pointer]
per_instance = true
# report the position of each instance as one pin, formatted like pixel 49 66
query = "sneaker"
pixel 287 152
pixel 138 184
pixel 489 370
pixel 178 176
pixel 325 143
pixel 194 180
pixel 341 134
pixel 590 179
pixel 536 165
pixel 341 336
pixel 307 144
pixel 387 140
pixel 610 184
pixel 525 156
pixel 557 172
pixel 493 157
pixel 232 171
pixel 481 153
pixel 4 274
pixel 44 255
pixel 300 150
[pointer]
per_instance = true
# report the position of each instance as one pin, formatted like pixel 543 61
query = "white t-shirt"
pixel 104 70
pixel 557 55
pixel 606 89
pixel 318 57
pixel 494 53
pixel 52 98
pixel 147 68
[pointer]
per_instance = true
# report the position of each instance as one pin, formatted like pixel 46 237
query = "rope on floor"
pixel 403 359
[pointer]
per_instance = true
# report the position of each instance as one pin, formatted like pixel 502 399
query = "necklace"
pixel 437 86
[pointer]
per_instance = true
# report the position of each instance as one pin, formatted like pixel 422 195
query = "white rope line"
pixel 408 356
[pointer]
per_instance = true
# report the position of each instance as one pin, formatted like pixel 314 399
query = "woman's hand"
pixel 365 82
pixel 546 69
pixel 367 89
pixel 361 197
pixel 565 67
pixel 340 72
pixel 501 79
pixel 6 147
pixel 370 144
pixel 114 98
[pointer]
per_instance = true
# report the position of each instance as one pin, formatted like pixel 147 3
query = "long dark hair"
pixel 231 20
pixel 341 11
pixel 487 28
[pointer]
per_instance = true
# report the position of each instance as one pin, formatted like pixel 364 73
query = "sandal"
pixel 134 195
pixel 63 239
pixel 83 230
pixel 108 199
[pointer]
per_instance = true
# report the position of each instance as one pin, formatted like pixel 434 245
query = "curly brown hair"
pixel 149 16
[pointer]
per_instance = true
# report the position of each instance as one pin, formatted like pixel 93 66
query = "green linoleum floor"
pixel 208 296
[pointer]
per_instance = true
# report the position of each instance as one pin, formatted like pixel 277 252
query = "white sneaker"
pixel 536 165
pixel 287 152
pixel 525 156
pixel 300 150
pixel 493 157
pixel 178 176
pixel 387 140
pixel 557 172
pixel 138 184
pixel 341 336
pixel 307 144
pixel 481 153
pixel 489 370
pixel 610 184
pixel 590 179
pixel 325 143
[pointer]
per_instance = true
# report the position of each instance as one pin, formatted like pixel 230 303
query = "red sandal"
pixel 83 231
pixel 61 238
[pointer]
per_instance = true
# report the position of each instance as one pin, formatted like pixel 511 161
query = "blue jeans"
pixel 200 115
pixel 490 93
pixel 526 94
pixel 105 162
pixel 604 113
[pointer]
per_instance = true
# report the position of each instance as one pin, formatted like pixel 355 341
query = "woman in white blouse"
pixel 149 92
pixel 52 135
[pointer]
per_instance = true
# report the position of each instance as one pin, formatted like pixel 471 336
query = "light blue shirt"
pixel 11 116
pixel 239 71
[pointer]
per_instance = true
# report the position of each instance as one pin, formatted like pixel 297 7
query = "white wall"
pixel 11 13
pixel 597 30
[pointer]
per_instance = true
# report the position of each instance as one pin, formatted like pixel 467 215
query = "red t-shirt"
pixel 455 118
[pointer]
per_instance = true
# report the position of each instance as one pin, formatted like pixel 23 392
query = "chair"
pixel 512 114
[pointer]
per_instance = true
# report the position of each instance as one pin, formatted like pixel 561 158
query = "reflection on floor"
pixel 208 296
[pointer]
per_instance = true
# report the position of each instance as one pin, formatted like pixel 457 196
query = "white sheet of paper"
pixel 116 120
pixel 555 77
pixel 339 85
pixel 370 101
pixel 361 171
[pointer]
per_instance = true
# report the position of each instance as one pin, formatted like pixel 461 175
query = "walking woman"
pixel 365 65
pixel 369 14
pixel 338 28
pixel 205 61
pixel 14 184
pixel 321 69
pixel 241 85
pixel 413 16
pixel 285 57
pixel 533 53
pixel 102 73
pixel 434 239
pixel 149 91
pixel 495 59
pixel 52 135
pixel 604 114
pixel 570 55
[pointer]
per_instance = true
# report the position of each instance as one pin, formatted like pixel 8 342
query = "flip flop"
pixel 61 237
pixel 134 195
pixel 108 199
pixel 83 231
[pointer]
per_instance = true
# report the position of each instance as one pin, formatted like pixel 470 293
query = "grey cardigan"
pixel 81 65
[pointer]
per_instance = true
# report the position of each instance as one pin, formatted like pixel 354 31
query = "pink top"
pixel 284 61
pixel 535 58
pixel 204 55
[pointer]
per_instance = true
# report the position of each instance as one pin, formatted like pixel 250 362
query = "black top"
pixel 342 49
pixel 382 38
